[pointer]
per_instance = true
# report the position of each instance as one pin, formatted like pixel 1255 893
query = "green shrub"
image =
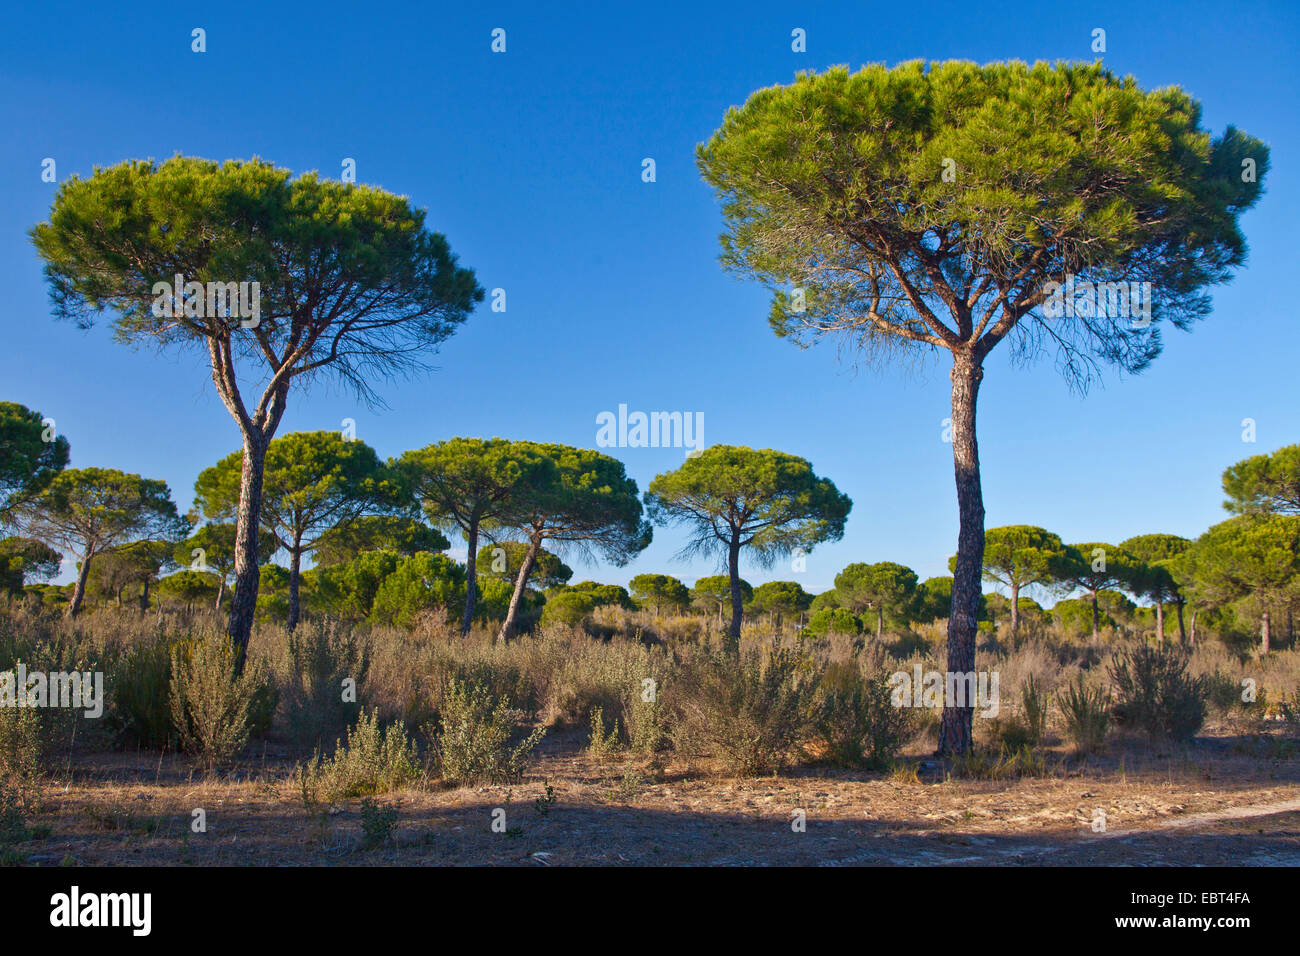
pixel 857 720
pixel 1087 715
pixel 645 723
pixel 320 660
pixel 568 607
pixel 1155 694
pixel 1035 705
pixel 474 736
pixel 377 823
pixel 22 748
pixel 372 760
pixel 213 710
pixel 837 620
pixel 749 712
pixel 603 743
pixel 139 712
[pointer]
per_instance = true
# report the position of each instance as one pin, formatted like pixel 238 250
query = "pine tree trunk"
pixel 221 591
pixel 1192 633
pixel 295 579
pixel 1264 634
pixel 737 598
pixel 955 729
pixel 1160 621
pixel 1015 609
pixel 243 602
pixel 1094 616
pixel 521 585
pixel 1182 631
pixel 471 577
pixel 79 591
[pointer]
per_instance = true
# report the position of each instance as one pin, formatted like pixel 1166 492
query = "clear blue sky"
pixel 530 163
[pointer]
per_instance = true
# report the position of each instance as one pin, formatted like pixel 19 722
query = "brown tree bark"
pixel 737 597
pixel 1015 606
pixel 1182 631
pixel 79 590
pixel 955 729
pixel 1094 615
pixel 295 583
pixel 521 584
pixel 1160 622
pixel 243 602
pixel 1265 634
pixel 471 578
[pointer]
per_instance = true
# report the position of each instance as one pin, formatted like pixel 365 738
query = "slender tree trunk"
pixel 1015 609
pixel 295 577
pixel 1182 631
pixel 1192 633
pixel 1094 616
pixel 737 598
pixel 1265 634
pixel 221 591
pixel 243 602
pixel 955 729
pixel 471 577
pixel 521 585
pixel 144 596
pixel 1160 621
pixel 79 591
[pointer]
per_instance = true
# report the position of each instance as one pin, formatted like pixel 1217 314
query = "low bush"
pixel 749 711
pixel 1086 712
pixel 214 710
pixel 856 718
pixel 1155 694
pixel 474 736
pixel 372 760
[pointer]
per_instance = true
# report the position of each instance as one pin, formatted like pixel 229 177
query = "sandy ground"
pixel 1225 801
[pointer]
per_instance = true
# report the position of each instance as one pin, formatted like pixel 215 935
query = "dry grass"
pixel 97 805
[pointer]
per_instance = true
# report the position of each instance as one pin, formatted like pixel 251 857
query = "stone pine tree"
pixel 1254 558
pixel 1153 575
pixel 659 591
pixel 1265 484
pixel 731 498
pixel 31 454
pixel 211 549
pixel 467 484
pixel 86 512
pixel 880 587
pixel 712 593
pixel 312 483
pixel 587 504
pixel 1093 567
pixel 400 534
pixel 350 285
pixel 949 207
pixel 1021 556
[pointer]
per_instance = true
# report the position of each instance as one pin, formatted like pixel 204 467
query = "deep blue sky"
pixel 530 163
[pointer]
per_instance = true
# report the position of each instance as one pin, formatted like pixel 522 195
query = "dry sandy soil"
pixel 1227 800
